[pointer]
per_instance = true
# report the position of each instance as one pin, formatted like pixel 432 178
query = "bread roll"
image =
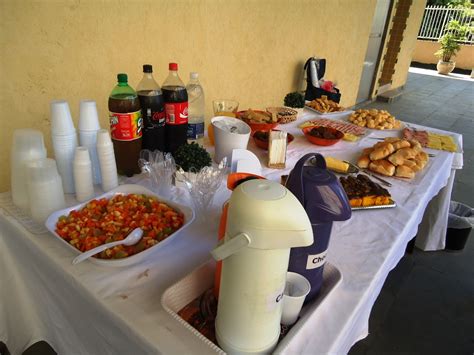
pixel 364 160
pixel 382 151
pixel 399 157
pixel 383 167
pixel 411 163
pixel 415 144
pixel 404 172
pixel 391 139
pixel 401 143
pixel 421 159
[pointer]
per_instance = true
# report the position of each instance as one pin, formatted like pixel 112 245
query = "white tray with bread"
pixel 375 119
pixel 398 158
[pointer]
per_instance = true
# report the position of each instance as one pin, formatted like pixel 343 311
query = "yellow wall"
pixel 248 50
pixel 424 53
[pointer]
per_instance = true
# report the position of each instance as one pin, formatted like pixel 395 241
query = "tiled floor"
pixel 427 303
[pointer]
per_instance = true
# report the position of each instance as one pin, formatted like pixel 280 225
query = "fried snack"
pixel 374 119
pixel 323 104
pixel 381 151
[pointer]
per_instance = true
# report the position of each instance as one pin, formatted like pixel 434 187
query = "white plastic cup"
pixel 83 179
pixel 64 150
pixel 44 189
pixel 27 145
pixel 108 166
pixel 88 116
pixel 61 119
pixel 229 134
pixel 88 139
pixel 296 289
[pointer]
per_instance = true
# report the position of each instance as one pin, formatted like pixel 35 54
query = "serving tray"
pixel 177 296
pixel 123 190
pixel 377 207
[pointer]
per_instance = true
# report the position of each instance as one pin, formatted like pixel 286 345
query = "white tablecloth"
pixel 90 309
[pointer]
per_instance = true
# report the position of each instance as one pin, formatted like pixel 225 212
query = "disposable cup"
pixel 61 120
pixel 88 117
pixel 27 145
pixel 229 134
pixel 44 188
pixel 108 167
pixel 89 139
pixel 296 289
pixel 83 179
pixel 64 149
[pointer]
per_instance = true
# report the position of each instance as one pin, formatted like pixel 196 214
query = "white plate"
pixel 123 190
pixel 332 114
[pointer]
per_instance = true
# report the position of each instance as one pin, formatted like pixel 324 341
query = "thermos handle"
pixel 232 246
pixel 319 162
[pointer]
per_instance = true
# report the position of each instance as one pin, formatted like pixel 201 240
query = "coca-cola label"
pixel 176 113
pixel 316 260
pixel 126 126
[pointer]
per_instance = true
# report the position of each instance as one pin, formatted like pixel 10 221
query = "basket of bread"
pixel 375 119
pixel 258 120
pixel 394 157
pixel 283 114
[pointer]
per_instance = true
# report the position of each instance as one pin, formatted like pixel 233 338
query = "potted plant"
pixel 449 46
pixel 295 100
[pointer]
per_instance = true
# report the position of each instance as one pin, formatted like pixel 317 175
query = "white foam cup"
pixel 27 145
pixel 44 189
pixel 88 116
pixel 88 139
pixel 108 167
pixel 296 289
pixel 229 134
pixel 61 119
pixel 83 179
pixel 64 151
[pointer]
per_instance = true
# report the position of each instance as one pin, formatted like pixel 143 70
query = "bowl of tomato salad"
pixel 112 216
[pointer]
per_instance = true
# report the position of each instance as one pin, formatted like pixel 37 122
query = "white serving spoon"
pixel 131 239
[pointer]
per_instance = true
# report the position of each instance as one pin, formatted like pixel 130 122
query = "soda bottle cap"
pixel 122 78
pixel 173 66
pixel 193 75
pixel 147 68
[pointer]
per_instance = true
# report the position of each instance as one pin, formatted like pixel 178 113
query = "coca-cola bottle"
pixel 153 111
pixel 176 108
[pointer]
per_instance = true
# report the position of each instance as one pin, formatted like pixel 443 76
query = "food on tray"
pixel 336 124
pixel 431 140
pixel 323 104
pixel 257 116
pixel 375 119
pixel 283 114
pixel 336 165
pixel 363 192
pixel 394 157
pixel 323 132
pixel 107 220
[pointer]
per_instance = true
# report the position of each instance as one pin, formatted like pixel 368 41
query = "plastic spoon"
pixel 131 239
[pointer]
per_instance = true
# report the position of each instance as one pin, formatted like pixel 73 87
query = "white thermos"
pixel 264 221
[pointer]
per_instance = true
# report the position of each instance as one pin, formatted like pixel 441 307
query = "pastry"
pixel 383 167
pixel 381 151
pixel 404 172
pixel 399 157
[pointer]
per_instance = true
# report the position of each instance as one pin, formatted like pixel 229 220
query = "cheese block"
pixel 336 165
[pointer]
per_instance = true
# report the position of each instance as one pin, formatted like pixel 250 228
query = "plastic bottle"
pixel 153 111
pixel 126 126
pixel 196 109
pixel 176 108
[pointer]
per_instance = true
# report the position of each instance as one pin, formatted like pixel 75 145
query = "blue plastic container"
pixel 325 201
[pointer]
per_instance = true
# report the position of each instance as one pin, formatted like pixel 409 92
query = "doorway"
pixel 372 56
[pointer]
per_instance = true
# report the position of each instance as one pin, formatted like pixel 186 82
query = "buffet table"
pixel 91 309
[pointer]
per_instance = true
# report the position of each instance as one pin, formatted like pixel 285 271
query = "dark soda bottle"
pixel 176 108
pixel 126 126
pixel 153 111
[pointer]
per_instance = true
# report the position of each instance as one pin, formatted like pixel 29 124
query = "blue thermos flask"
pixel 325 201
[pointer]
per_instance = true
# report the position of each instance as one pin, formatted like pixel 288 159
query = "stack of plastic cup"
pixel 45 189
pixel 27 145
pixel 88 127
pixel 83 180
pixel 108 167
pixel 63 135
